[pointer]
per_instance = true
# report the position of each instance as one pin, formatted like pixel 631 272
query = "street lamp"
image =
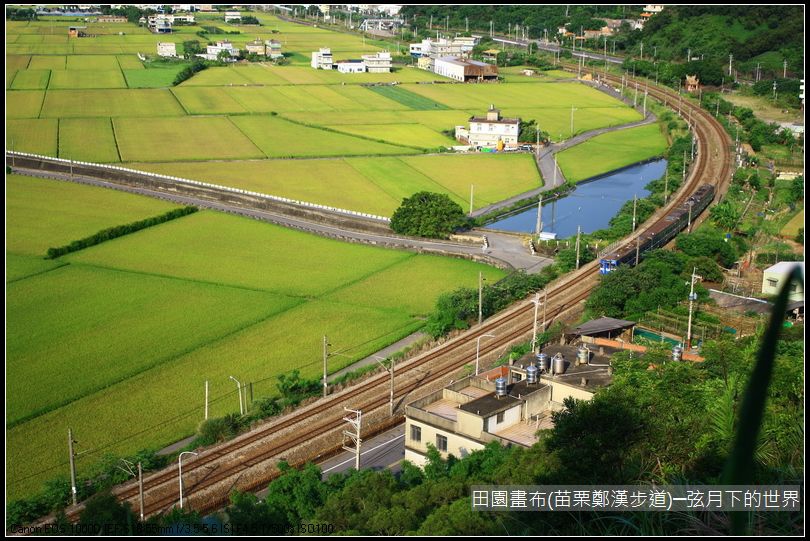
pixel 180 467
pixel 239 392
pixel 390 371
pixel 478 349
pixel 537 304
pixel 692 299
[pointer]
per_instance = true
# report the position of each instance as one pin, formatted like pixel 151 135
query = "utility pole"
pixel 689 223
pixel 354 436
pixel 692 299
pixel 471 198
pixel 784 69
pixel 391 372
pixel 635 200
pixel 325 356
pixel 688 55
pixel 140 487
pixel 466 24
pixel 578 232
pixel 572 125
pixel 72 465
pixel 490 28
pixel 642 51
pixel 638 247
pixel 539 226
pixel 537 147
pixel 545 302
pixel 730 58
pixel 480 297
pixel 536 302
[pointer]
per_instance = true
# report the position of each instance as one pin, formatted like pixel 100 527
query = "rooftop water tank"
pixel 500 387
pixel 559 364
pixel 531 374
pixel 583 355
pixel 543 362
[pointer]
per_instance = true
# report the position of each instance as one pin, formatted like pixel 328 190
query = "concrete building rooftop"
pixel 490 403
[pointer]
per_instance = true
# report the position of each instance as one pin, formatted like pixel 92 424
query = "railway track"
pixel 249 461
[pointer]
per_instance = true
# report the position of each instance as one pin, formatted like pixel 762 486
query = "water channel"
pixel 591 205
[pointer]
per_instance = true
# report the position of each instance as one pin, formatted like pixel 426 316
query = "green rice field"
pixel 121 337
pixel 76 133
pixel 375 185
pixel 43 213
pixel 254 276
pixel 611 151
pixel 188 138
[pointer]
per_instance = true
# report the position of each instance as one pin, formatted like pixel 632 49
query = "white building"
pixel 774 277
pixel 508 404
pixel 653 8
pixel 491 131
pixel 322 59
pixel 464 70
pixel 435 48
pixel 351 66
pixel 232 16
pixel 212 51
pixel 168 49
pixel 378 63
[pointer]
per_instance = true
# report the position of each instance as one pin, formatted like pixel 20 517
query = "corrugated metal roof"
pixel 785 267
pixel 603 324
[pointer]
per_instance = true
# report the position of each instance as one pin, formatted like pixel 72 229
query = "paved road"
pixel 384 451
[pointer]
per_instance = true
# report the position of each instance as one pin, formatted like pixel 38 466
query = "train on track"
pixel 661 232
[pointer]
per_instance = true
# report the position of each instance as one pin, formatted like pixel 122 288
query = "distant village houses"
pixel 491 131
pixel 167 49
pixel 322 59
pixel 111 19
pixel 373 63
pixel 212 51
pixel 692 83
pixel 270 48
pixel 232 16
pixel 465 70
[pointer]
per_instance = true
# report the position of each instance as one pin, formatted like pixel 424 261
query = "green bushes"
pixel 216 430
pixel 459 309
pixel 189 71
pixel 56 494
pixel 118 231
pixel 710 243
pixel 427 214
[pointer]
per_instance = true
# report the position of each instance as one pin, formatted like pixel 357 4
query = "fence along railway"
pixel 248 462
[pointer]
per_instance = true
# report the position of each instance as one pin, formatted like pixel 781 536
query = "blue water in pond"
pixel 591 205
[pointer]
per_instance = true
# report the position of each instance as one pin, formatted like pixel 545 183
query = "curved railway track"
pixel 248 462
